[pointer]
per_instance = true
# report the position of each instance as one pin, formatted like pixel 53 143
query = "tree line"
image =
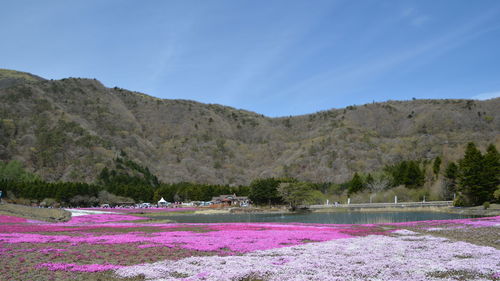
pixel 407 173
pixel 474 179
pixel 471 181
pixel 127 182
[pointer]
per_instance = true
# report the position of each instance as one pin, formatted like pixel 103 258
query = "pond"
pixel 324 218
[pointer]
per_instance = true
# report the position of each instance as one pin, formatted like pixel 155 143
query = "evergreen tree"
pixel 104 176
pixel 406 173
pixel 355 185
pixel 414 176
pixel 470 181
pixel 436 167
pixel 491 171
pixel 451 171
pixel 450 180
pixel 265 191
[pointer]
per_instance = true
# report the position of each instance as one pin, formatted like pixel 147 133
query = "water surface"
pixel 325 218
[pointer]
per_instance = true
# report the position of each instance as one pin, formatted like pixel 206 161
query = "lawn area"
pixel 121 246
pixel 43 214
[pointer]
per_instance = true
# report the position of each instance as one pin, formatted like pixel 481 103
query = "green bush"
pixel 48 202
pixel 497 194
pixel 486 205
pixel 459 201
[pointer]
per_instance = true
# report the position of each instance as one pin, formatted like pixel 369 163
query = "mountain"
pixel 10 77
pixel 71 129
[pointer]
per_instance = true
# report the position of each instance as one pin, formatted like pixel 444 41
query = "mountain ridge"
pixel 70 129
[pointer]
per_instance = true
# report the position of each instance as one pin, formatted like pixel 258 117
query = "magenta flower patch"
pixel 11 219
pixel 106 243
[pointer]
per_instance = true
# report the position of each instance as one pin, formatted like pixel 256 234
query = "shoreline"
pixel 494 210
pixel 55 215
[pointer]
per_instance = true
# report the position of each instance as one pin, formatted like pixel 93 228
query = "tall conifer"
pixel 356 184
pixel 491 172
pixel 470 181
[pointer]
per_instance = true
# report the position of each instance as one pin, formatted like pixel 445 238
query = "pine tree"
pixel 450 180
pixel 414 175
pixel 491 172
pixel 355 185
pixel 406 173
pixel 436 167
pixel 104 176
pixel 265 191
pixel 470 181
pixel 451 171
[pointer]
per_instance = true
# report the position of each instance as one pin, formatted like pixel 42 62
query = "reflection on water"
pixel 325 218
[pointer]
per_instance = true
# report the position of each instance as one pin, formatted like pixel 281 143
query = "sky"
pixel 276 58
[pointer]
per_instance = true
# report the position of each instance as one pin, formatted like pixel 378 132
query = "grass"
pixel 157 221
pixel 45 274
pixel 484 236
pixel 458 275
pixel 40 214
pixel 494 210
pixel 7 73
pixel 164 214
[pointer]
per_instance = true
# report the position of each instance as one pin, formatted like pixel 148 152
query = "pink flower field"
pixel 122 246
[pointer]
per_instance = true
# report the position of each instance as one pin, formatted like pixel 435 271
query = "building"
pixel 231 200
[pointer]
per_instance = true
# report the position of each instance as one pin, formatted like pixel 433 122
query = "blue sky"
pixel 277 58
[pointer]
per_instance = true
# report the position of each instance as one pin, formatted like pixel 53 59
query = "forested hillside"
pixel 71 129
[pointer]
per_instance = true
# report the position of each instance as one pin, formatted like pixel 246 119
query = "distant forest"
pixel 473 180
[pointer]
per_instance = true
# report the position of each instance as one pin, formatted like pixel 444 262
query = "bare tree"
pixel 379 183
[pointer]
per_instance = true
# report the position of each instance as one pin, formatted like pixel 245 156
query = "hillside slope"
pixel 70 129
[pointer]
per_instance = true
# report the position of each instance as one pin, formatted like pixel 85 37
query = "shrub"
pixel 459 201
pixel 486 205
pixel 497 194
pixel 48 202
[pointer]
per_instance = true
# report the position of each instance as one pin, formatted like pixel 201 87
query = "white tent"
pixel 162 202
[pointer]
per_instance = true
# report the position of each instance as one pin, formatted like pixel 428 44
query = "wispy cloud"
pixel 258 66
pixel 420 20
pixel 486 96
pixel 169 54
pixel 352 76
pixel 415 17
